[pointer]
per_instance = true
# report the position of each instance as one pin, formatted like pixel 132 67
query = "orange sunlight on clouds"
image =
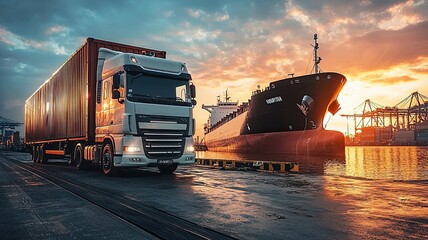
pixel 380 46
pixel 383 54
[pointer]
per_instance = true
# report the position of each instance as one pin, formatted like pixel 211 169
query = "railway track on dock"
pixel 149 219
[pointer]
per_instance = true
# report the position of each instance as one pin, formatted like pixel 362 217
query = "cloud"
pixel 195 13
pixel 57 29
pixel 421 68
pixel 11 39
pixel 226 44
pixel 399 17
pixel 392 80
pixel 378 49
pixel 16 42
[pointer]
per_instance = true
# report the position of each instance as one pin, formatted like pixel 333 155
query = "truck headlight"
pixel 190 148
pixel 131 149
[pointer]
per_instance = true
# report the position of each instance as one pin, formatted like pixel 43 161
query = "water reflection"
pixel 393 163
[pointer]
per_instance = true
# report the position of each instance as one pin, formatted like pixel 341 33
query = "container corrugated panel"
pixel 421 126
pixel 58 110
pixel 405 135
pixel 64 107
pixel 422 135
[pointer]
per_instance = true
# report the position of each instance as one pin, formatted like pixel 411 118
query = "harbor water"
pixel 403 163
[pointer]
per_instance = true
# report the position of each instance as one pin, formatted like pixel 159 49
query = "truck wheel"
pixel 108 160
pixel 167 169
pixel 71 159
pixel 43 158
pixel 35 154
pixel 78 157
pixel 39 154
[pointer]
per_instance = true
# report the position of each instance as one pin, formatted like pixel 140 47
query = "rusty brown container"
pixel 63 108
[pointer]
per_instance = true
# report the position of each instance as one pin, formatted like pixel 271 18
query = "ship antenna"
pixel 317 59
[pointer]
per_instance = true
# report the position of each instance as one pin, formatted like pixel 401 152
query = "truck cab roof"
pixel 116 60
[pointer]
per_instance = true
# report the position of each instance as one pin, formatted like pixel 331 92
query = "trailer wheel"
pixel 78 157
pixel 35 154
pixel 71 159
pixel 167 169
pixel 39 157
pixel 108 160
pixel 42 154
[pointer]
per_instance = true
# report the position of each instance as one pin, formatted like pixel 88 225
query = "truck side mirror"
pixel 193 102
pixel 116 81
pixel 115 94
pixel 193 91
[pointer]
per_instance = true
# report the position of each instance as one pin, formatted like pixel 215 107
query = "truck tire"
pixel 167 169
pixel 78 157
pixel 107 161
pixel 35 154
pixel 71 159
pixel 43 158
pixel 39 157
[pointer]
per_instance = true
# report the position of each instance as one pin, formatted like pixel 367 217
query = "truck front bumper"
pixel 129 161
pixel 139 159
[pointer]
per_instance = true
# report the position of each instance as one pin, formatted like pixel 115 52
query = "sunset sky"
pixel 380 46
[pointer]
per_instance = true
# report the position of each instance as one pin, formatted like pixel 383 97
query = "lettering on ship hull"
pixel 274 100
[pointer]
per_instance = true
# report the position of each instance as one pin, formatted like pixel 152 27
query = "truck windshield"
pixel 153 89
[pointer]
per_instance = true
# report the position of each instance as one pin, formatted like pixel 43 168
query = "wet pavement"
pixel 34 208
pixel 245 205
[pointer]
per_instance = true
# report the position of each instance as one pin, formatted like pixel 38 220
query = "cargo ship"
pixel 286 117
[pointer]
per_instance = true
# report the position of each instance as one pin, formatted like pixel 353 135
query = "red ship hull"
pixel 319 142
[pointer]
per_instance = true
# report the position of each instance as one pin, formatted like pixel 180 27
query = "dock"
pixel 249 165
pixel 406 123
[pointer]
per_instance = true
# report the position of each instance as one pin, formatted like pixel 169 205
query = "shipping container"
pixel 63 108
pixel 15 139
pixel 421 126
pixel 404 135
pixel 6 136
pixel 422 135
pixel 383 134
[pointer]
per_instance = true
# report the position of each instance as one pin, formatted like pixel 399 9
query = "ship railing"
pixel 260 91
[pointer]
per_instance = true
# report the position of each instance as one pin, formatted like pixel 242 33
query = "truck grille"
pixel 163 145
pixel 163 137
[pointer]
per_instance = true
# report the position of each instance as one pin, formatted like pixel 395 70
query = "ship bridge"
pixel 219 111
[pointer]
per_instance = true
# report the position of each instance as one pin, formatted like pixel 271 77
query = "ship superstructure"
pixel 220 110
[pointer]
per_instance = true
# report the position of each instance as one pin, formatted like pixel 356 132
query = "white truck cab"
pixel 143 112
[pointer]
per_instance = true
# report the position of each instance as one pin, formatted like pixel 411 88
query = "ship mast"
pixel 317 59
pixel 227 97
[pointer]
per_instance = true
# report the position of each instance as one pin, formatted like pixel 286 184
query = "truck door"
pixel 109 110
pixel 117 106
pixel 103 108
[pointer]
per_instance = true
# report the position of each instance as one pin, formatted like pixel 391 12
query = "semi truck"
pixel 114 105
